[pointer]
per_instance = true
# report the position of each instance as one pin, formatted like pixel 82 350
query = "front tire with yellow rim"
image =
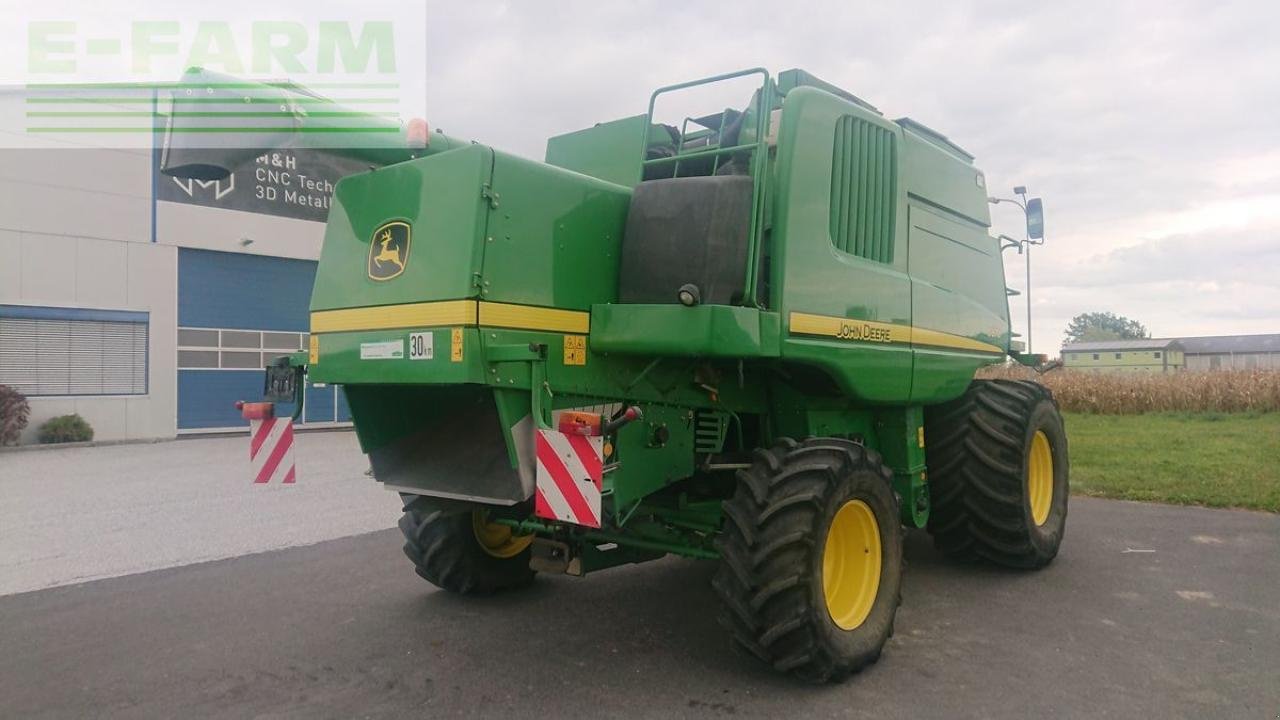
pixel 998 467
pixel 811 558
pixel 464 551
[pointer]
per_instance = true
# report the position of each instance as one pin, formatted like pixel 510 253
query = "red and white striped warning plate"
pixel 271 450
pixel 569 477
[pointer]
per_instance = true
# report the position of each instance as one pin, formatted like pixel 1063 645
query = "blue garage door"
pixel 235 314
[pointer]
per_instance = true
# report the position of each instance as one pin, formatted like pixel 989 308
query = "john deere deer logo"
pixel 389 250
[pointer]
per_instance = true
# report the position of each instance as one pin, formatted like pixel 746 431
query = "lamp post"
pixel 1032 231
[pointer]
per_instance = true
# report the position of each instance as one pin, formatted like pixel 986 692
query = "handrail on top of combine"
pixel 759 159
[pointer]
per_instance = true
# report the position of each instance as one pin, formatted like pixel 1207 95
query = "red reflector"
pixel 257 410
pixel 579 423
pixel 418 134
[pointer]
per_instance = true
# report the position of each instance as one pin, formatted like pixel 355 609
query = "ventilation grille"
pixel 863 183
pixel 709 431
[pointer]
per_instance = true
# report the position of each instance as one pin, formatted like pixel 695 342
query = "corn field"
pixel 1128 393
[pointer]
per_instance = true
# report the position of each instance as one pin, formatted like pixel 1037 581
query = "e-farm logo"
pixel 326 47
pixel 226 82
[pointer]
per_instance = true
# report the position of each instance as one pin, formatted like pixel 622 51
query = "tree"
pixel 1104 326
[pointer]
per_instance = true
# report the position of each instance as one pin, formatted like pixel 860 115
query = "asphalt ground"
pixel 1149 612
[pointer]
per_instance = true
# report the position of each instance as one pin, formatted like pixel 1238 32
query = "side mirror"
pixel 1035 219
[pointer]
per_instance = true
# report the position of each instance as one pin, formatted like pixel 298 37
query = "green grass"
pixel 1213 459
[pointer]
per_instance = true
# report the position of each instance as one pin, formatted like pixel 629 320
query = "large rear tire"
pixel 811 558
pixel 463 552
pixel 998 467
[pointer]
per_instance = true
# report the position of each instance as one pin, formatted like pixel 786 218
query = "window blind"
pixel 68 351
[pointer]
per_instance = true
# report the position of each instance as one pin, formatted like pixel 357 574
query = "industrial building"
pixel 1124 356
pixel 149 305
pixel 1216 352
pixel 1233 352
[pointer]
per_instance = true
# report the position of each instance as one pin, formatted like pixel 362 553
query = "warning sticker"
pixel 575 349
pixel 455 345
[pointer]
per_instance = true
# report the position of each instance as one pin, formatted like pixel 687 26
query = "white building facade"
pixel 149 305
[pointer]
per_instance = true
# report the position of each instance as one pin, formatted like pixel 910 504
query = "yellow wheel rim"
pixel 1040 477
pixel 851 564
pixel 497 540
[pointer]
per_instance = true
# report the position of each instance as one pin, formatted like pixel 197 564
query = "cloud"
pixel 1152 130
pixel 1205 258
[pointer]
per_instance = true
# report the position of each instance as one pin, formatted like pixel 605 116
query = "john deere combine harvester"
pixel 751 339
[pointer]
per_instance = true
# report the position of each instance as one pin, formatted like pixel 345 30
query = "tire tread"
pixel 445 553
pixel 768 535
pixel 976 462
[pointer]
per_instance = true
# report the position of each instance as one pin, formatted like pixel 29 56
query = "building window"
pixel 1117 356
pixel 226 349
pixel 48 351
pixel 1095 356
pixel 1156 354
pixel 197 359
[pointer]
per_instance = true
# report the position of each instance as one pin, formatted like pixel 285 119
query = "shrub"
pixel 14 410
pixel 65 428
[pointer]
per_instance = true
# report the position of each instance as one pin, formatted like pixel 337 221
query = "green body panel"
pixel 674 330
pixel 789 80
pixel 646 465
pixel 901 440
pixel 957 275
pixel 814 277
pixel 341 362
pixel 612 378
pixel 939 174
pixel 851 342
pixel 440 197
pixel 552 237
pixel 945 272
pixel 607 151
pixel 941 375
pixel 945 255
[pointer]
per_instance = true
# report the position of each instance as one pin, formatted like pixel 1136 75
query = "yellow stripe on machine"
pixel 451 312
pixel 870 331
pixel 524 317
pixel 847 329
pixel 921 336
pixel 386 317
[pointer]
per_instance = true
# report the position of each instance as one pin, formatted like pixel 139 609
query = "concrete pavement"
pixel 76 514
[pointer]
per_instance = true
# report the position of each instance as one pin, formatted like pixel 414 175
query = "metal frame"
pixel 759 162
pixel 1026 243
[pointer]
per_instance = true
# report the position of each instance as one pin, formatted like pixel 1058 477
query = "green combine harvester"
pixel 751 340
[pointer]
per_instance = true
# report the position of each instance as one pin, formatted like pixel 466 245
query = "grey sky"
pixel 1151 129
